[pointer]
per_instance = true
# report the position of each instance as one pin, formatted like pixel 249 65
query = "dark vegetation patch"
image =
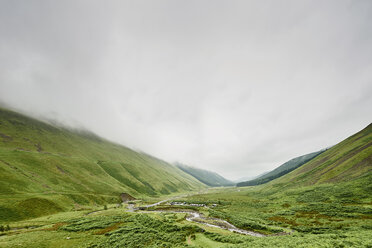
pixel 6 138
pixel 55 226
pixel 80 199
pixel 135 173
pixel 347 155
pixel 232 239
pixel 164 191
pixel 90 223
pixel 8 214
pixel 35 207
pixel 312 196
pixel 171 187
pixel 115 171
pixel 365 163
pixel 38 147
pixel 126 197
pixel 108 229
pixel 29 208
pixel 283 220
pixel 242 221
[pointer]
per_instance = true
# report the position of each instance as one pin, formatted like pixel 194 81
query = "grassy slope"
pixel 46 169
pixel 281 170
pixel 208 177
pixel 345 161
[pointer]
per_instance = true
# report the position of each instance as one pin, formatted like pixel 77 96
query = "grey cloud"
pixel 237 87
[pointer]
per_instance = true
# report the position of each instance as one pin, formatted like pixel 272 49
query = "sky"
pixel 236 87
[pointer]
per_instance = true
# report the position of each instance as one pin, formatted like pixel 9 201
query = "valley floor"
pixel 315 216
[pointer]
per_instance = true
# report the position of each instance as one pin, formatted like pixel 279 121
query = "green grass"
pixel 327 215
pixel 45 169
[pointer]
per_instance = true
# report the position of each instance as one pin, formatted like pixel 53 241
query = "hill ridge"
pixel 282 170
pixel 347 160
pixel 207 177
pixel 67 168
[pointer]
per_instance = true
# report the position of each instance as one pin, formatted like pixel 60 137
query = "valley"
pixel 310 216
pixel 185 124
pixel 68 188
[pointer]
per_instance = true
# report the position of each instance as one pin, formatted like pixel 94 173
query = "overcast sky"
pixel 237 87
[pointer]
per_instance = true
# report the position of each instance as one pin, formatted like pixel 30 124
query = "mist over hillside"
pixel 207 177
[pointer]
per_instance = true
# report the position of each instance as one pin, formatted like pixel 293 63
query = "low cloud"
pixel 235 87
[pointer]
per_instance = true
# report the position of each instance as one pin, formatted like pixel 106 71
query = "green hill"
pixel 46 169
pixel 281 170
pixel 348 160
pixel 324 203
pixel 207 177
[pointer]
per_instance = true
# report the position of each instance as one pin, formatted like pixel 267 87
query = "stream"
pixel 197 217
pixel 218 223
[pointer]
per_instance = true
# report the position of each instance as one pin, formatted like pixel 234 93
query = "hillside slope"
pixel 348 160
pixel 46 168
pixel 207 177
pixel 281 170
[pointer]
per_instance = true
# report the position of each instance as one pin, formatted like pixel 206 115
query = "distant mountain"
pixel 244 179
pixel 46 169
pixel 281 170
pixel 348 160
pixel 207 177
